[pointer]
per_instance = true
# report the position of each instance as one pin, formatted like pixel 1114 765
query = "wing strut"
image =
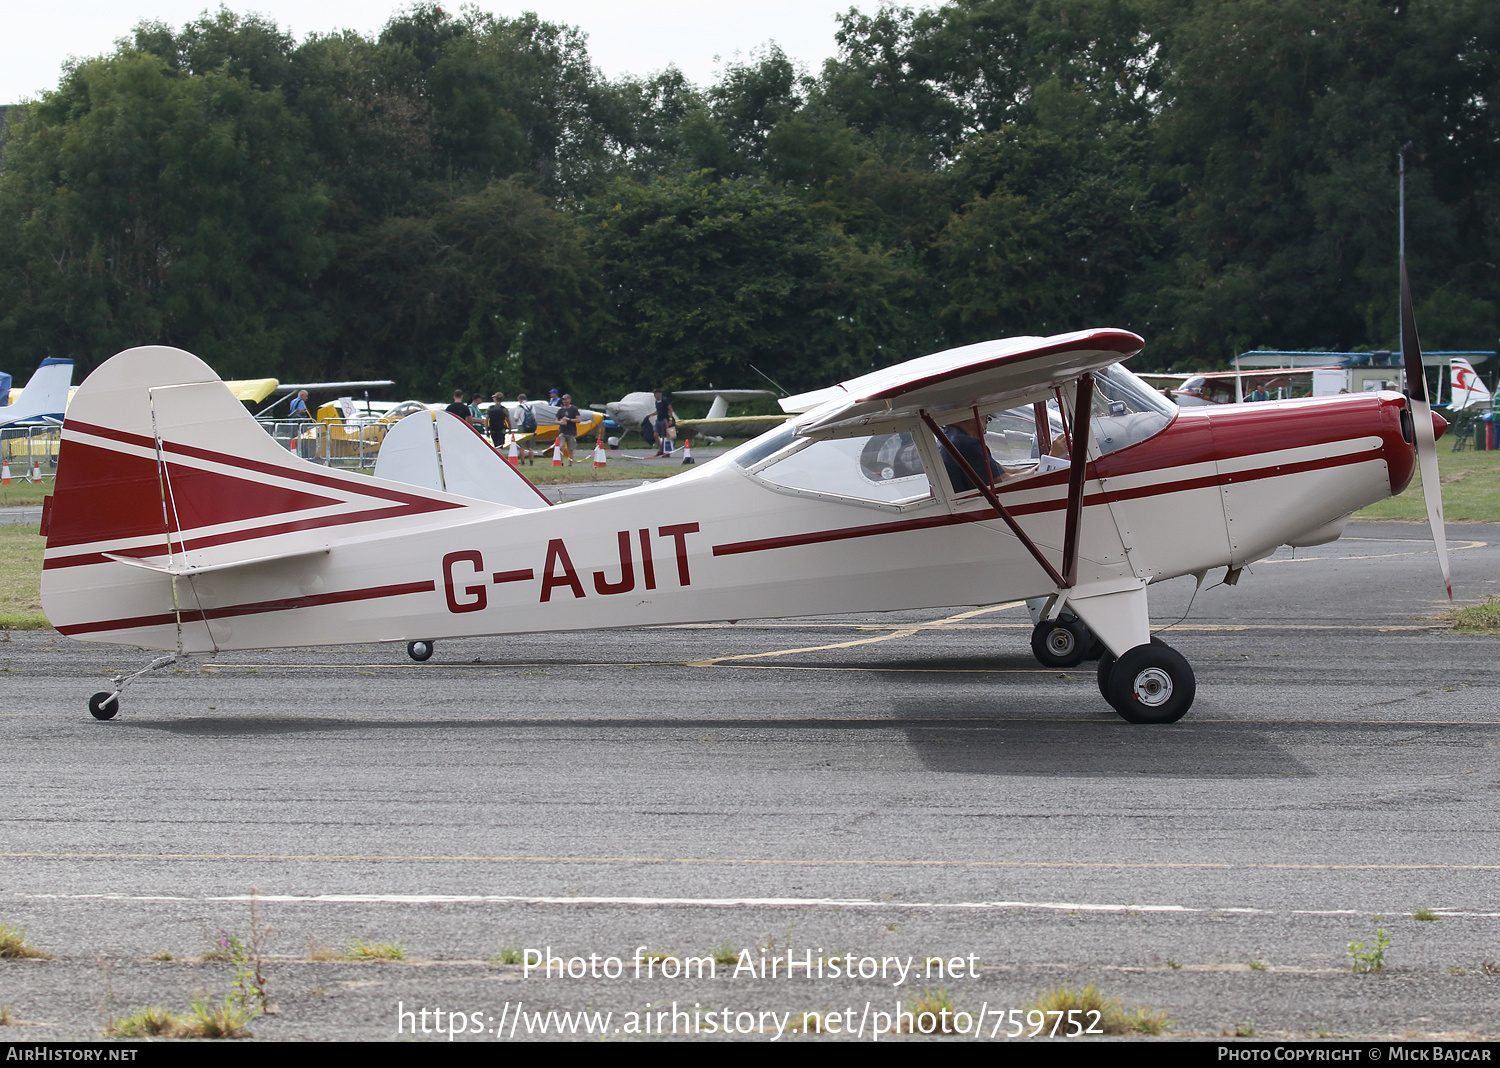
pixel 989 495
pixel 1078 459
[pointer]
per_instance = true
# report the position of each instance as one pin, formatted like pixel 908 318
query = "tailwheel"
pixel 419 651
pixel 1060 643
pixel 104 704
pixel 1148 684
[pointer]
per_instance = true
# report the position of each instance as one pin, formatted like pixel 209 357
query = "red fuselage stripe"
pixel 901 526
pixel 285 604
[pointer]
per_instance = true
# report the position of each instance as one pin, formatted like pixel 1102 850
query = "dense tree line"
pixel 465 201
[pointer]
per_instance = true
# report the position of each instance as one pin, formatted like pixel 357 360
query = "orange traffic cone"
pixel 514 457
pixel 687 452
pixel 4 472
pixel 600 459
pixel 36 469
pixel 557 451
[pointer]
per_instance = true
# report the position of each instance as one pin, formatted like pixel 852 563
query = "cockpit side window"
pixel 882 468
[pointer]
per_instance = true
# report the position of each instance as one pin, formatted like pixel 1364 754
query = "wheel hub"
pixel 1153 687
pixel 1060 641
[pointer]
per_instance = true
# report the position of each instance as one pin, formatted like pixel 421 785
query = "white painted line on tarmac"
pixel 1129 908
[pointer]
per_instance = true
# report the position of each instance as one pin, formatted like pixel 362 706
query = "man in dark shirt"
pixel 499 420
pixel 458 407
pixel 567 426
pixel 664 416
pixel 968 441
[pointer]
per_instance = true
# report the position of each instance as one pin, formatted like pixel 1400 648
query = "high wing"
pixel 992 374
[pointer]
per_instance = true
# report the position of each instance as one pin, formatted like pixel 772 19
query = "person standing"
pixel 499 420
pixel 664 417
pixel 567 426
pixel 299 406
pixel 458 407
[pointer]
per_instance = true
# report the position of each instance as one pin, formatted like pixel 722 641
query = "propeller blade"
pixel 1422 427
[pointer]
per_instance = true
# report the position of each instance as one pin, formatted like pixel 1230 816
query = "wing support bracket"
pixel 1077 474
pixel 1078 455
pixel 989 495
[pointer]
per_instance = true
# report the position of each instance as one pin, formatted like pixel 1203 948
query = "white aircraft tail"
pixel 163 475
pixel 445 454
pixel 45 395
pixel 1469 390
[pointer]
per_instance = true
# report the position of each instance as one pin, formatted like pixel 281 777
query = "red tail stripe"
pixel 286 604
pixel 425 504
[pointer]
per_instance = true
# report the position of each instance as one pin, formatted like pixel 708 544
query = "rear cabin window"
pixel 884 468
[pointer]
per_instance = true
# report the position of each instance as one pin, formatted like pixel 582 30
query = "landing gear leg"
pixel 106 703
pixel 419 650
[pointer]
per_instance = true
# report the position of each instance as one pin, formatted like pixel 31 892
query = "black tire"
pixel 1060 644
pixel 104 705
pixel 1107 662
pixel 419 651
pixel 1151 684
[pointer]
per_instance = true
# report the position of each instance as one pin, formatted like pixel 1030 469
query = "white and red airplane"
pixel 178 524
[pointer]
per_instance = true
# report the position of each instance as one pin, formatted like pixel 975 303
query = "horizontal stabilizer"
pixel 179 566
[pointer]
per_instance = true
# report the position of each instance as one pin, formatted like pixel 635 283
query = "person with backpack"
pixel 528 426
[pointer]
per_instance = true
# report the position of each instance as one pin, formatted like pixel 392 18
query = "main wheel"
pixel 104 705
pixel 1150 684
pixel 1059 643
pixel 419 651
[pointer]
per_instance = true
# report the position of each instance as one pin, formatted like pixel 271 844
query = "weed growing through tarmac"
pixel 1245 1030
pixel 1425 914
pixel 322 954
pixel 1258 965
pixel 509 955
pixel 1112 1019
pixel 203 1020
pixel 1489 967
pixel 7 1015
pixel 361 950
pixel 726 955
pixel 1173 965
pixel 13 945
pixel 937 1005
pixel 161 954
pixel 1370 956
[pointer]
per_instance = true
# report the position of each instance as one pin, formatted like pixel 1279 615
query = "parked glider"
pixel 177 524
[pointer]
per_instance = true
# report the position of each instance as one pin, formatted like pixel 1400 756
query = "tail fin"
pixel 163 475
pixel 445 454
pixel 45 396
pixel 1469 390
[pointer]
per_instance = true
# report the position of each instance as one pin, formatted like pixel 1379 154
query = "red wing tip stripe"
pixel 524 575
pixel 287 604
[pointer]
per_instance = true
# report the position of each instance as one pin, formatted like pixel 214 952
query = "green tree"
pixel 141 206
